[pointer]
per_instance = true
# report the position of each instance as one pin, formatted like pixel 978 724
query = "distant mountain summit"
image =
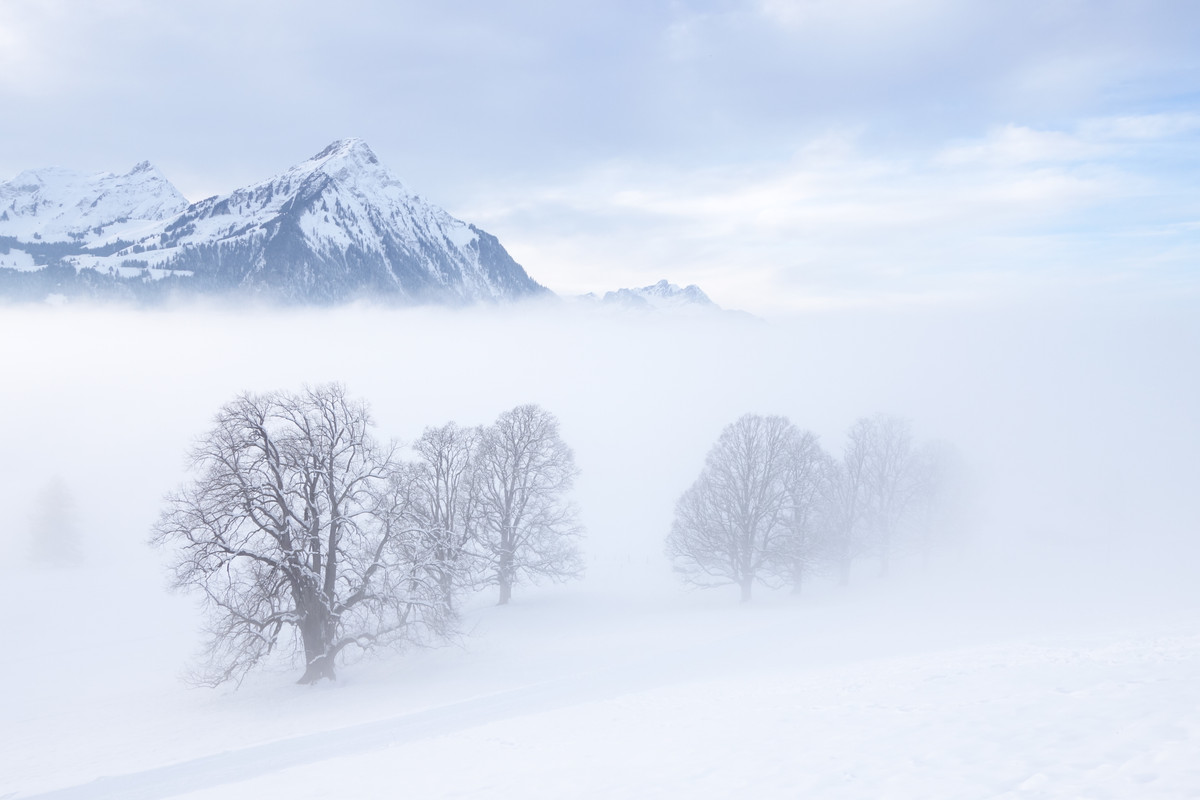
pixel 664 297
pixel 336 227
pixel 661 295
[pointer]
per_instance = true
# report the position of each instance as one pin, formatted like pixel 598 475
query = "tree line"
pixel 302 530
pixel 772 507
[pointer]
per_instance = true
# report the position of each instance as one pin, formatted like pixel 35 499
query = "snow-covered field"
pixel 893 691
pixel 1052 652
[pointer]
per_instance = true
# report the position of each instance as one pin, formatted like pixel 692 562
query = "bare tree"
pixel 801 550
pixel 891 479
pixel 843 504
pixel 299 522
pixel 732 525
pixel 941 497
pixel 528 528
pixel 447 475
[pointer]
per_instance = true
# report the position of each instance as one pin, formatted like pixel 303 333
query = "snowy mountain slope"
pixel 59 205
pixel 334 227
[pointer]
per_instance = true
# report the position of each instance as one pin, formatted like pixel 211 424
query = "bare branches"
pixel 299 522
pixel 527 528
pixel 447 479
pixel 733 524
pixel 770 506
pixel 288 524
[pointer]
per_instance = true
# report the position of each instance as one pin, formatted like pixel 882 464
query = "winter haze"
pixel 979 218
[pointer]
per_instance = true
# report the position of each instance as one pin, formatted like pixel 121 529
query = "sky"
pixel 785 155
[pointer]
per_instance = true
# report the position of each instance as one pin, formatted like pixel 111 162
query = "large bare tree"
pixel 528 527
pixel 732 525
pixel 299 529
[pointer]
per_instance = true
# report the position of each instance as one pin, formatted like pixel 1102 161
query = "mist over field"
pixel 1076 424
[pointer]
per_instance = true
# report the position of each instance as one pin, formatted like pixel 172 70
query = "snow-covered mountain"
pixel 335 227
pixel 662 295
pixel 60 205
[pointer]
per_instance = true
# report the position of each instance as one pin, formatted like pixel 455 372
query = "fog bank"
pixel 1078 423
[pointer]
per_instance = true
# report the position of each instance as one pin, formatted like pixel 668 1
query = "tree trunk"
pixel 747 584
pixel 319 667
pixel 317 634
pixel 885 553
pixel 844 572
pixel 504 576
pixel 446 584
pixel 798 572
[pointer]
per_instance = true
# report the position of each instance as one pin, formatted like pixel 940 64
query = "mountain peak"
pixel 664 290
pixel 661 295
pixel 349 162
pixel 354 149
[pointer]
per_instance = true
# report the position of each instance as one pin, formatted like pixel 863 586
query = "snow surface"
pixel 1103 717
pixel 1054 653
pixel 18 260
pixel 894 691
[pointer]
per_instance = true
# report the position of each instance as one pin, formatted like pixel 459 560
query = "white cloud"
pixel 1013 145
pixel 24 67
pixel 857 14
pixel 1141 127
pixel 55 49
pixel 1016 209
